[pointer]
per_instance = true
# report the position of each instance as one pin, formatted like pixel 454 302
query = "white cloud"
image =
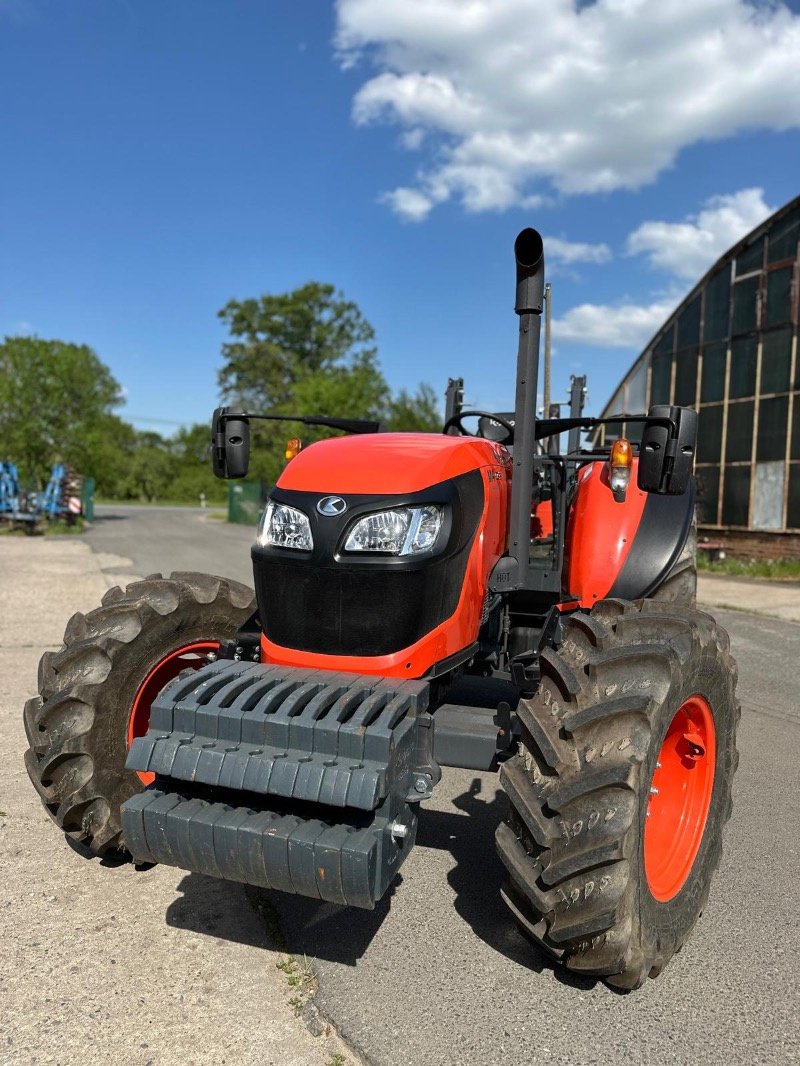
pixel 601 326
pixel 520 95
pixel 683 249
pixel 567 253
pixel 687 249
pixel 412 139
pixel 411 204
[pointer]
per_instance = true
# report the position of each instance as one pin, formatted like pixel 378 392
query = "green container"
pixel 87 499
pixel 245 501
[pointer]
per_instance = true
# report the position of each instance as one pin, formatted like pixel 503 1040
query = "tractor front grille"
pixel 334 605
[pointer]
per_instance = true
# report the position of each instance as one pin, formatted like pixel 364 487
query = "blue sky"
pixel 160 158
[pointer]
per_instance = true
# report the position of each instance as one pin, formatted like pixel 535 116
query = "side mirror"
pixel 666 454
pixel 230 443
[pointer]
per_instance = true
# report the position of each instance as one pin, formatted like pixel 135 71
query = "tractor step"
pixel 316 769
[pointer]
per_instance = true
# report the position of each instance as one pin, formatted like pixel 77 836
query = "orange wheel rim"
pixel 679 800
pixel 189 657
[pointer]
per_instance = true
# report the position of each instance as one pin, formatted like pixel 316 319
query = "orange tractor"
pixel 474 599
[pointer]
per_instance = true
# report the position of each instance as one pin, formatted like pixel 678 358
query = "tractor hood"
pixel 387 463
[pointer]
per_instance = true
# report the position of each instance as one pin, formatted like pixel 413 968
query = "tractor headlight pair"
pixel 400 531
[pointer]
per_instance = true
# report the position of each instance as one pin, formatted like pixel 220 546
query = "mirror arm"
pixel 347 425
pixel 546 427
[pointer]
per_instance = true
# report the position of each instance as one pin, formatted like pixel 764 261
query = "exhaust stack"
pixel 529 254
pixel 529 258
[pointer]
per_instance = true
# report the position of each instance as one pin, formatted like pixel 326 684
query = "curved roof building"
pixel 730 351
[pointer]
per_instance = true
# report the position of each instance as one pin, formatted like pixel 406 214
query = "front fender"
pixel 625 549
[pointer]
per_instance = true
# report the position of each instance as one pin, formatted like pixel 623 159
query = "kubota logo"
pixel 331 506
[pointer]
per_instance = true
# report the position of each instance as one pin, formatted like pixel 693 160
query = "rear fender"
pixel 622 549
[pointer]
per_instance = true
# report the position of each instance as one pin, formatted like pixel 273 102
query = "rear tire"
pixel 680 584
pixel 78 725
pixel 580 787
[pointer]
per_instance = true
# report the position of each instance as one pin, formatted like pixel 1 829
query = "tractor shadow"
pixel 301 926
pixel 478 876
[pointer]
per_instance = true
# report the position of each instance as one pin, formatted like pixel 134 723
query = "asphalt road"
pixel 437 975
pixel 163 539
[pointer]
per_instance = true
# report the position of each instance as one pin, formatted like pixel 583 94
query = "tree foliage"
pixel 309 351
pixel 54 397
pixel 57 404
pixel 278 341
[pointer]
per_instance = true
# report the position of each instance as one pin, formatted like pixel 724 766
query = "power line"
pixel 157 421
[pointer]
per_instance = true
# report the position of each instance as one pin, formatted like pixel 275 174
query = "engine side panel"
pixel 623 549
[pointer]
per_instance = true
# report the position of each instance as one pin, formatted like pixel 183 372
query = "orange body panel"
pixel 387 463
pixel 542 520
pixel 395 464
pixel 600 532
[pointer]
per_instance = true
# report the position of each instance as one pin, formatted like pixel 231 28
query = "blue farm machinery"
pixel 63 498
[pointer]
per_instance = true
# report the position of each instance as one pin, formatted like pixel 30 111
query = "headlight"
pixel 284 527
pixel 402 531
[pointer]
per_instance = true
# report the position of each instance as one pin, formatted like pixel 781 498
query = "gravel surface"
pixel 102 962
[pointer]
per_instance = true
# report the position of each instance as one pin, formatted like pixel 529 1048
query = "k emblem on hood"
pixel 331 506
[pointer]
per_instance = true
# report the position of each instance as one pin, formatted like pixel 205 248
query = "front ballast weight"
pixel 299 780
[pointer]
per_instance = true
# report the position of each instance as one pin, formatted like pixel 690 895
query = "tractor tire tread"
pixel 70 754
pixel 578 786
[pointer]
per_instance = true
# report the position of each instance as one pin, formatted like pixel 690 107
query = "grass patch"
pixel 301 979
pixel 195 504
pixel 57 527
pixel 772 569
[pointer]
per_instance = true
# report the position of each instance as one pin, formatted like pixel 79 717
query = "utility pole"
pixel 547 321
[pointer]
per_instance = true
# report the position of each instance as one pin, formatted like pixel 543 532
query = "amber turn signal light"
pixel 293 446
pixel 620 462
pixel 621 453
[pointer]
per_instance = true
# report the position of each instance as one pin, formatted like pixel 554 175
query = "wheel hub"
pixel 679 799
pixel 188 657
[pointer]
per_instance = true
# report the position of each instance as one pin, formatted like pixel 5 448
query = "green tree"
pixel 54 399
pixel 190 448
pixel 105 451
pixel 419 412
pixel 150 471
pixel 278 340
pixel 310 351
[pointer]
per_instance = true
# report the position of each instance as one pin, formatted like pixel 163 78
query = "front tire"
pixel 588 879
pixel 680 584
pixel 95 693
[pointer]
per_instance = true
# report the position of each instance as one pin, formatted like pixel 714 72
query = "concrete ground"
pixel 102 962
pixel 437 974
pixel 780 599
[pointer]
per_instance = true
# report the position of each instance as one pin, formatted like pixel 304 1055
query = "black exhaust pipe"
pixel 529 256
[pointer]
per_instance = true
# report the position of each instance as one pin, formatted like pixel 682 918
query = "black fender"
pixel 660 538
